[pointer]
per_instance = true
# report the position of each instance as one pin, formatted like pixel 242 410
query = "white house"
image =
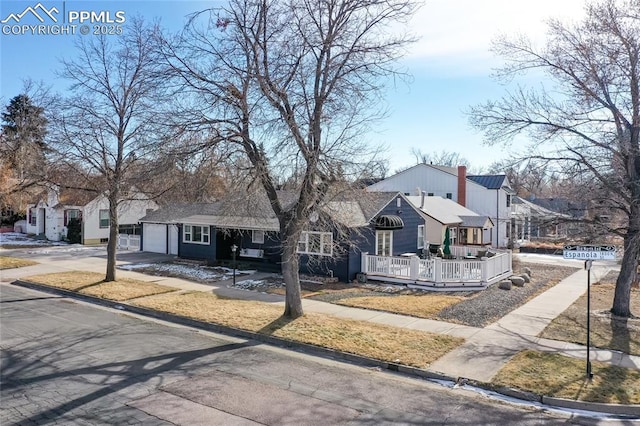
pixel 50 215
pixel 486 195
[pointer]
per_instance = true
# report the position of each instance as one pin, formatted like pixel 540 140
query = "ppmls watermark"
pixel 54 20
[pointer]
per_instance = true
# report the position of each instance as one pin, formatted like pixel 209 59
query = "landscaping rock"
pixel 505 285
pixel 526 277
pixel 517 281
pixel 526 270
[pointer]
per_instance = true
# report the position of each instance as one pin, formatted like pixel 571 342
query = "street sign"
pixel 589 252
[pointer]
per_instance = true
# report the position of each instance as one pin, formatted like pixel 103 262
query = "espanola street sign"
pixel 589 252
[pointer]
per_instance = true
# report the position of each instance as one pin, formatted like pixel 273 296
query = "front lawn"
pixel 7 262
pixel 606 332
pixel 92 284
pixel 386 343
pixel 565 377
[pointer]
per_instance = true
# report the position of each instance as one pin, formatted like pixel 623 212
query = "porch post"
pixel 363 262
pixel 414 267
pixel 437 270
pixel 484 265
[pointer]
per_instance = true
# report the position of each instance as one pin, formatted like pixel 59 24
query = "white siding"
pixel 420 178
pixel 439 182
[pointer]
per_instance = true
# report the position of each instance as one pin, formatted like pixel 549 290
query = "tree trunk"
pixel 291 275
pixel 622 296
pixel 113 239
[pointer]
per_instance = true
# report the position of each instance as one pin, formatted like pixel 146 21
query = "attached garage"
pixel 160 238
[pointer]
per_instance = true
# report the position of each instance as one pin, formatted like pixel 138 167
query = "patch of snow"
pixel 16 238
pixel 258 284
pixel 72 249
pixel 196 272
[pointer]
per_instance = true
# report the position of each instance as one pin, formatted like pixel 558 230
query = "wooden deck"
pixel 465 272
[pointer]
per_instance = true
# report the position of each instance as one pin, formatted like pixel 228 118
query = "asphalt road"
pixel 67 362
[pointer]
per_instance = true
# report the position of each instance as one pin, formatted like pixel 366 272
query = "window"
pixel 453 236
pixel 71 214
pixel 196 234
pixel 420 236
pixel 398 202
pixel 129 229
pixel 449 195
pixel 508 200
pixel 257 237
pixel 477 236
pixel 104 218
pixel 430 194
pixel 384 243
pixel 320 243
pixel 33 217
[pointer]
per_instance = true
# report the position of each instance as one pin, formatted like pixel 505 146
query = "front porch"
pixel 473 268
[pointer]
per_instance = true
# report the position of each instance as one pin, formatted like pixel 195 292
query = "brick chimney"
pixel 462 185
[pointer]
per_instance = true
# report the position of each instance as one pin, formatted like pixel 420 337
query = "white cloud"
pixel 456 32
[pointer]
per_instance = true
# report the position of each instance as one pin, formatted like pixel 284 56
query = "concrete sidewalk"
pixel 485 351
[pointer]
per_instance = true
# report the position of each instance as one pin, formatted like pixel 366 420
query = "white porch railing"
pixel 128 242
pixel 437 272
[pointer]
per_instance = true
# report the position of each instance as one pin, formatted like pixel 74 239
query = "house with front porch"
pixel 50 214
pixel 358 236
pixel 486 195
pixel 466 227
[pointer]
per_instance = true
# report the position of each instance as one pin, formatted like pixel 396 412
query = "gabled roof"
pixel 74 197
pixel 563 205
pixel 476 222
pixel 174 212
pixel 255 212
pixel 448 212
pixel 489 181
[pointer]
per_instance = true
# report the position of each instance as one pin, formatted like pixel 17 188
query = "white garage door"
pixel 154 238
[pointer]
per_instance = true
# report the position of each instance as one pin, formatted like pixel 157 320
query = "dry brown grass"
pixel 564 377
pixel 381 342
pixel 606 332
pixel 93 284
pixel 7 262
pixel 422 306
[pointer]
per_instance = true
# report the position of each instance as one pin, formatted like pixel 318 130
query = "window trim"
pixel 257 236
pixel 190 232
pixel 67 216
pixel 420 237
pixel 304 240
pixel 33 216
pixel 390 248
pixel 100 219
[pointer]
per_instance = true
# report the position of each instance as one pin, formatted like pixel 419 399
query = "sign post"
pixel 587 266
pixel 589 253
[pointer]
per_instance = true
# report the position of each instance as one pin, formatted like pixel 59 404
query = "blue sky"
pixel 451 65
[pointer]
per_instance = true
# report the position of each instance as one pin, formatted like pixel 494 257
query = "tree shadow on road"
pixel 18 374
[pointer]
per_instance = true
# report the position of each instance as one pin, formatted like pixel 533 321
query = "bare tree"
pixel 442 158
pixel 590 123
pixel 107 130
pixel 294 84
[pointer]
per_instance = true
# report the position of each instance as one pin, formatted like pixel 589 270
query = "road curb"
pixel 614 409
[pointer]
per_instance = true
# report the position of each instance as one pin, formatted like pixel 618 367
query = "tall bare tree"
pixel 294 84
pixel 108 128
pixel 442 158
pixel 590 122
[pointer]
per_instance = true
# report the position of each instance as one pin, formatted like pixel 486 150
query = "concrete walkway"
pixel 485 351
